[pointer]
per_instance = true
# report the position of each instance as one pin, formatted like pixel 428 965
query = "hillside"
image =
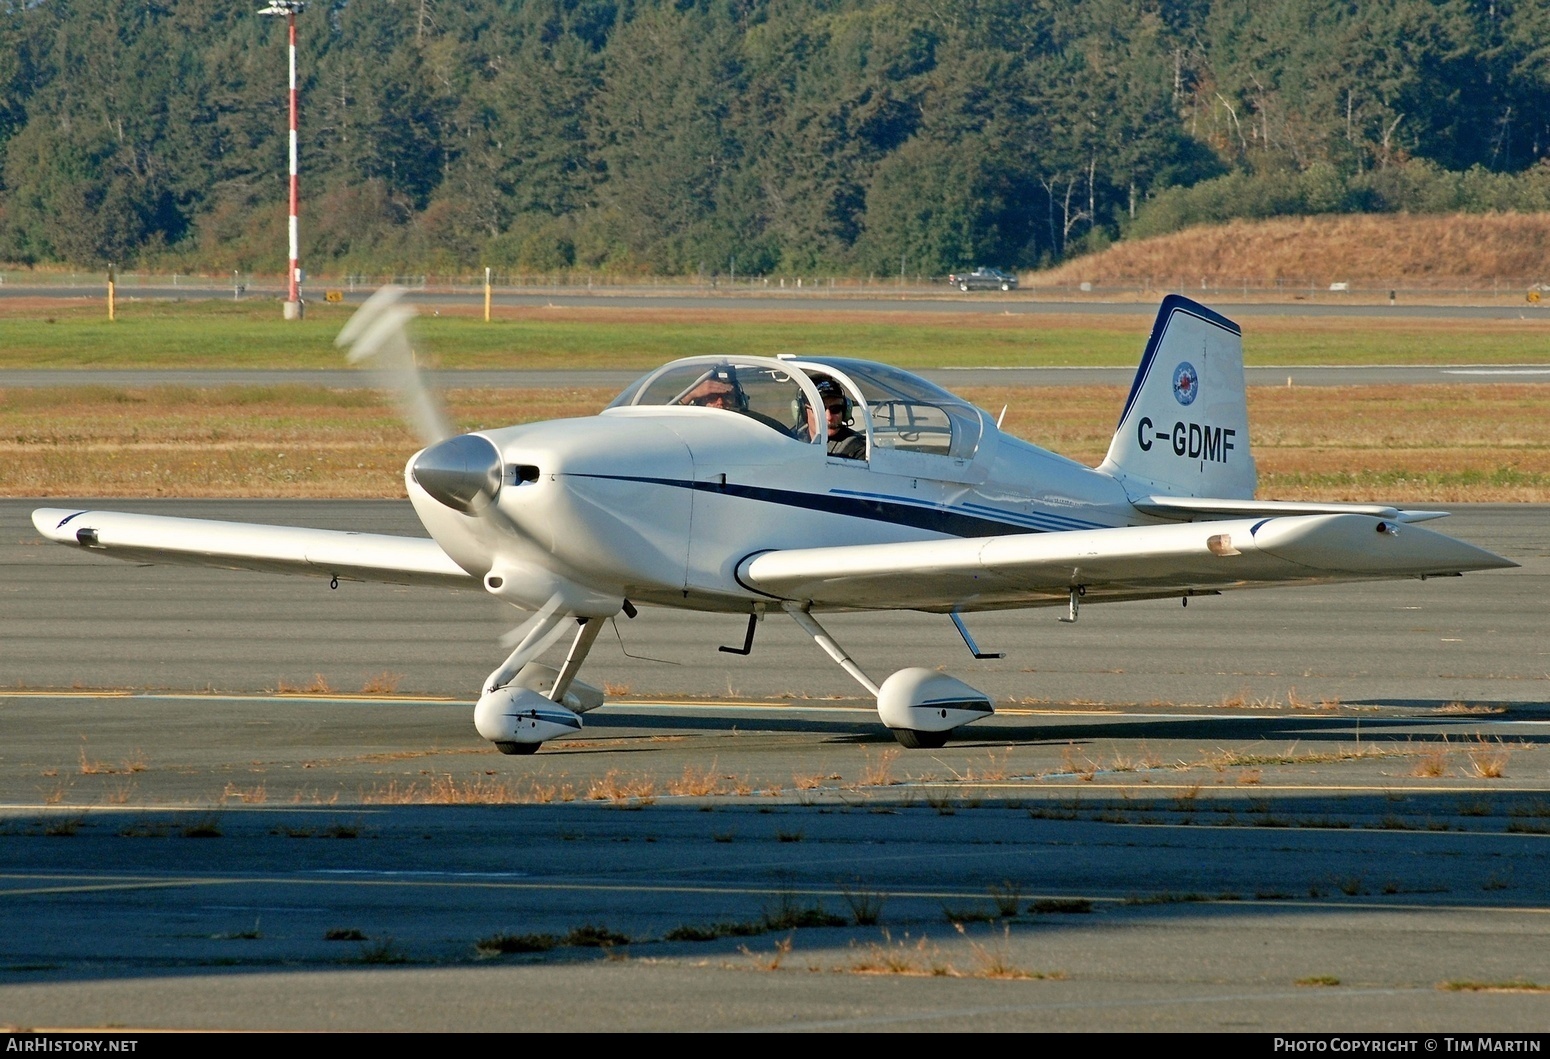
pixel 1365 250
pixel 694 138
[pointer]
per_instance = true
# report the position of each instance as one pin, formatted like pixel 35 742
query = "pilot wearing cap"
pixel 843 440
pixel 717 390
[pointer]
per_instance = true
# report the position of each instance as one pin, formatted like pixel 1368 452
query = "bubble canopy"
pixel 896 409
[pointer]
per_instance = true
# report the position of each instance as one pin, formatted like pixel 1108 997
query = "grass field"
pixel 215 334
pixel 1432 444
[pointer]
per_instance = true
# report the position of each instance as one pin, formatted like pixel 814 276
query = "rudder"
pixel 1185 429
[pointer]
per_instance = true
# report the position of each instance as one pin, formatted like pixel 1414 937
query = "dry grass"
pixel 1468 708
pixel 93 768
pixel 1431 444
pixel 283 441
pixel 445 790
pixel 696 783
pixel 771 961
pixel 878 770
pixel 997 768
pixel 902 957
pixel 1431 764
pixel 246 795
pixel 120 793
pixel 994 959
pixel 384 683
pixel 1079 765
pixel 1512 986
pixel 1488 760
pixel 1373 250
pixel 318 685
pixel 621 790
pixel 1426 444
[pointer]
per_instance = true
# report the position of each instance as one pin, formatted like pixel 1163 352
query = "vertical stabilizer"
pixel 1185 427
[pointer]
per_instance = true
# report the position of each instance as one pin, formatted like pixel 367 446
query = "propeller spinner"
pixel 463 472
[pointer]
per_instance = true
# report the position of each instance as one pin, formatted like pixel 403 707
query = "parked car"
pixel 983 279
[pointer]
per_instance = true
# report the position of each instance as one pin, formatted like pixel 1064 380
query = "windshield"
pixel 766 391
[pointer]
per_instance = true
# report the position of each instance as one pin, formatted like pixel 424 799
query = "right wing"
pixel 346 555
pixel 1131 562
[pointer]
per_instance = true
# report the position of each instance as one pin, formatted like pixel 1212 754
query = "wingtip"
pixel 50 521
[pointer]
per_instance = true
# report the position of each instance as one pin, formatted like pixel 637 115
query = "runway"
pixel 1298 810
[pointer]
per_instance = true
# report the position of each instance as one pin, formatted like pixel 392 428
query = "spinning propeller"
pixel 462 471
pixel 522 703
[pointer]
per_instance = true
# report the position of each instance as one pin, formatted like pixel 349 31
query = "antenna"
pixel 290 9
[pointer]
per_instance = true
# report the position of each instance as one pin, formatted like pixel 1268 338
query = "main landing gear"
pixel 921 707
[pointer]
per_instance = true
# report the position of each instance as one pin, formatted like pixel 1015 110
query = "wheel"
pixel 911 739
pixel 520 749
pixel 963 286
pixel 1006 286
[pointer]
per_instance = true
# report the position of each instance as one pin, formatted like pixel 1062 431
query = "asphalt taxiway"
pixel 1314 810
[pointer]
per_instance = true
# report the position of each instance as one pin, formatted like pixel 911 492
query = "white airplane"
pixel 711 485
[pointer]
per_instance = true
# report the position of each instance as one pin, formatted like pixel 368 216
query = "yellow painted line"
pixel 573 886
pixel 107 694
pixel 353 810
pixel 562 885
pixel 1063 784
pixel 233 697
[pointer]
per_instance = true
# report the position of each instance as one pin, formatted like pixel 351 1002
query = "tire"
pixel 518 749
pixel 910 739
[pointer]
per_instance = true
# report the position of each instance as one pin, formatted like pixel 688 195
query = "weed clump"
pixel 595 937
pixel 506 944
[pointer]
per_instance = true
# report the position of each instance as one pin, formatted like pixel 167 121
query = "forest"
pixel 746 137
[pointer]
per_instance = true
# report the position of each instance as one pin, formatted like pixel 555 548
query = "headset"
pixel 828 390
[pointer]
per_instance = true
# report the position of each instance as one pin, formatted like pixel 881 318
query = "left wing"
pixel 1133 562
pixel 245 546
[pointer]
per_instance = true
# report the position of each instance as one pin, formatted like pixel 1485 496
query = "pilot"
pixel 843 440
pixel 718 389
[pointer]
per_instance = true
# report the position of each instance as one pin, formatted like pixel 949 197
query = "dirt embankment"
pixel 1397 251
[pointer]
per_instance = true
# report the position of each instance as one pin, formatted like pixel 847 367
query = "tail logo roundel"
pixel 1186 383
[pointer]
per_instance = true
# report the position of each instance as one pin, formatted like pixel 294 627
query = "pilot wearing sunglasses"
pixel 843 440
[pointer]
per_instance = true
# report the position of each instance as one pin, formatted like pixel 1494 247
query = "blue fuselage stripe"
pixel 878 509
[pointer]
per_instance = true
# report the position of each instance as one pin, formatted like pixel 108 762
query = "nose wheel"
pixel 912 739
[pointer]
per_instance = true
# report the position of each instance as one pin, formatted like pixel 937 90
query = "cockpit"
pixel 895 411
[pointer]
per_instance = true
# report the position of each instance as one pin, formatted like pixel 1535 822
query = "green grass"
pixel 214 334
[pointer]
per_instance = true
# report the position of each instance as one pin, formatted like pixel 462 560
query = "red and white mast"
pixel 290 9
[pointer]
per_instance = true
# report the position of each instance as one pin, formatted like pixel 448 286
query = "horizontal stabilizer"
pixel 247 546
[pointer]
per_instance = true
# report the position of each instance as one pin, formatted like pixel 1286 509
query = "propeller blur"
pixel 807 484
